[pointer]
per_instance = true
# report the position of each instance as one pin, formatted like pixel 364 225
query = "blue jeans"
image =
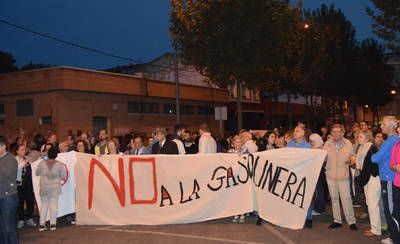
pixel 309 213
pixel 8 225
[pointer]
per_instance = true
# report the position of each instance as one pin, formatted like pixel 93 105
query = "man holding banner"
pixel 299 142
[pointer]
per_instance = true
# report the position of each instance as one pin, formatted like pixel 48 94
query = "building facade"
pixel 257 112
pixel 59 99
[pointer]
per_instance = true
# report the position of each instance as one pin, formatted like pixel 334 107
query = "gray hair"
pixel 392 120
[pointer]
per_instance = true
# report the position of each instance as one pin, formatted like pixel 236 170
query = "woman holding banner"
pixel 236 146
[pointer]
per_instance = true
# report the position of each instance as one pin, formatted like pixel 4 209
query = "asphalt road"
pixel 216 231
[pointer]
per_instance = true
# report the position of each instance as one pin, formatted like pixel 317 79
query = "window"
pixel 46 120
pixel 25 107
pixel 133 107
pixel 205 110
pixel 137 107
pixel 150 108
pixel 186 109
pixel 169 108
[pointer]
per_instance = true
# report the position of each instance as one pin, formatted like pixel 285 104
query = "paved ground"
pixel 217 231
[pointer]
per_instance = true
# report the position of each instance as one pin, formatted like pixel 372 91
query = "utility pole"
pixel 177 107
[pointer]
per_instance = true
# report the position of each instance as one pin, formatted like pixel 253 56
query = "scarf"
pixel 361 153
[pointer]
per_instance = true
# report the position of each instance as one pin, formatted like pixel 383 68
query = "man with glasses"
pixel 339 152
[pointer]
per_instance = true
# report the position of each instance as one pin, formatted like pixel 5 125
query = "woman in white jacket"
pixel 368 174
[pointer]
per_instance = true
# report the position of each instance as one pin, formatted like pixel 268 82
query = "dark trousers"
pixel 27 196
pixel 396 213
pixel 319 195
pixel 8 225
pixel 393 225
pixel 359 195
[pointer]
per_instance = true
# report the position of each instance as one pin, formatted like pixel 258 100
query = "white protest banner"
pixel 66 202
pixel 169 189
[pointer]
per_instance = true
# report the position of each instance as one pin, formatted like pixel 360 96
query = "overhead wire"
pixel 77 45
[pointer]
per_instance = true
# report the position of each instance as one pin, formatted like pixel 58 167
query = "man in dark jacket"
pixel 8 195
pixel 164 145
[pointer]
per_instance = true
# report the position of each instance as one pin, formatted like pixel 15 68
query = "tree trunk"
pixel 312 112
pixel 308 109
pixel 355 112
pixel 239 105
pixel 289 111
pixel 341 111
pixel 377 116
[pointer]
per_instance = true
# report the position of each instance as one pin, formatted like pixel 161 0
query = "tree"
pixel 375 77
pixel 386 22
pixel 332 48
pixel 7 63
pixel 288 76
pixel 231 40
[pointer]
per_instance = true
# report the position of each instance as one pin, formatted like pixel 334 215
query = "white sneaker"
pixel 42 228
pixel 235 219
pixel 315 213
pixel 53 227
pixel 20 224
pixel 31 223
pixel 242 219
pixel 387 241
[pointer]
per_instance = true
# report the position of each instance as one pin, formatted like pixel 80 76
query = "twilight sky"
pixel 130 28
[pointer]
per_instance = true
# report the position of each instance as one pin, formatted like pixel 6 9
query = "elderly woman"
pixel 112 147
pixel 236 146
pixel 51 174
pixel 369 179
pixel 317 142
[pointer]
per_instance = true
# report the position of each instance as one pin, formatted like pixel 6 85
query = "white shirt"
pixel 21 164
pixel 249 147
pixel 138 151
pixel 207 143
pixel 161 143
pixel 181 147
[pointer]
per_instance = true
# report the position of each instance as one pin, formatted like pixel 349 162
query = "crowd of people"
pixel 362 168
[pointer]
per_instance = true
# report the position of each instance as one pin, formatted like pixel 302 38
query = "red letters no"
pixel 119 191
pixel 132 180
